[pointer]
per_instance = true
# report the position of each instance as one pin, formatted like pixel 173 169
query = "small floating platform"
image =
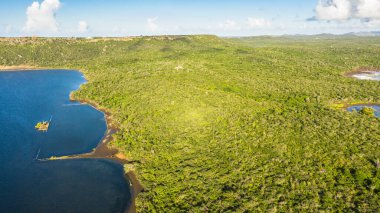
pixel 43 126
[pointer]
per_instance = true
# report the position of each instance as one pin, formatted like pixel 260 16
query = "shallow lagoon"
pixel 359 107
pixel 368 75
pixel 29 185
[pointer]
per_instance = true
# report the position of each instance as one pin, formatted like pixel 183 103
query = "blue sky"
pixel 155 17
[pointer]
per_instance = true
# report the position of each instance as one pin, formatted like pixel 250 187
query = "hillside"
pixel 231 125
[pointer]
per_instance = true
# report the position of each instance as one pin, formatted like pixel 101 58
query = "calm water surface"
pixel 29 185
pixel 374 75
pixel 359 107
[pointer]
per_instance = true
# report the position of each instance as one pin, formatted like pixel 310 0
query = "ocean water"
pixel 28 184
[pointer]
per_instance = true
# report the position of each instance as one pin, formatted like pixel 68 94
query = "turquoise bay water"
pixel 30 185
pixel 359 107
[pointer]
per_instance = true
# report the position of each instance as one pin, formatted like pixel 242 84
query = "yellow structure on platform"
pixel 43 126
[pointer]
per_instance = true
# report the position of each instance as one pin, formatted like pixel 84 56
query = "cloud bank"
pixel 230 25
pixel 343 10
pixel 249 24
pixel 254 23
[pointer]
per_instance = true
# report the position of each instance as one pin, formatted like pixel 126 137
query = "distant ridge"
pixel 320 35
pixel 363 33
pixel 371 33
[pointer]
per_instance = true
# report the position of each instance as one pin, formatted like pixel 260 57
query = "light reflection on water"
pixel 370 75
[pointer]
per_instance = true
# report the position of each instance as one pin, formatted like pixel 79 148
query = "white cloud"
pixel 230 25
pixel 41 17
pixel 348 9
pixel 83 27
pixel 375 23
pixel 333 9
pixel 368 9
pixel 152 24
pixel 258 23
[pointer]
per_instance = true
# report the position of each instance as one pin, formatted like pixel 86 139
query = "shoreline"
pixel 18 68
pixel 344 106
pixel 361 104
pixel 362 70
pixel 101 151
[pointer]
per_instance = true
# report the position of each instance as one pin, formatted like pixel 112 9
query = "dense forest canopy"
pixel 231 124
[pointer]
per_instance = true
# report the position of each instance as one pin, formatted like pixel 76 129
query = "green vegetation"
pixel 367 111
pixel 232 125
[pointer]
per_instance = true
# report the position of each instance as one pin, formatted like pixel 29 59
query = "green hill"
pixel 234 124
